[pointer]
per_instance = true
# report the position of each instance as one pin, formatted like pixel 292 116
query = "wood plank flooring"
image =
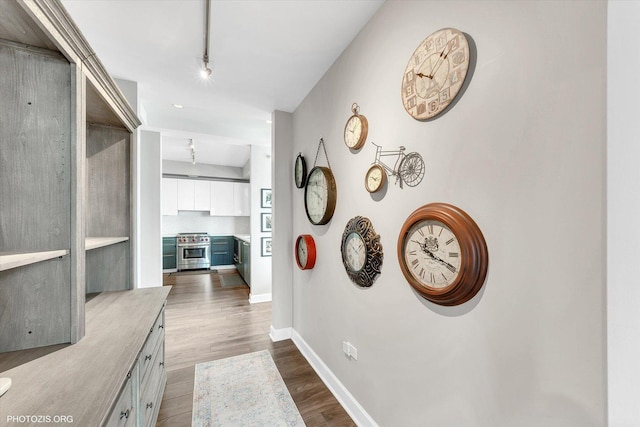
pixel 205 321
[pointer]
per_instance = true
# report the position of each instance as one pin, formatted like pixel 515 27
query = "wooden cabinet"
pixel 65 139
pixel 169 253
pixel 169 196
pixel 117 367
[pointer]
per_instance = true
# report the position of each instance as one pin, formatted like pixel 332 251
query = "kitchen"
pixel 207 211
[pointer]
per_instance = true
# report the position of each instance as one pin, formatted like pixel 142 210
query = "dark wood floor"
pixel 205 321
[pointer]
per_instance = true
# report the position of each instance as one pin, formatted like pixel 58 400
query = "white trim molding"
pixel 280 334
pixel 346 399
pixel 254 299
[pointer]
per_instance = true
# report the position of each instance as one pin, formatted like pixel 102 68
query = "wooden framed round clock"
pixel 305 252
pixel 443 254
pixel 320 195
pixel 375 178
pixel 300 171
pixel 435 73
pixel 361 251
pixel 356 129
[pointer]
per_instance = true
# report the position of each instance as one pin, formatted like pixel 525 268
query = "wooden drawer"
pixel 124 412
pixel 146 355
pixel 152 389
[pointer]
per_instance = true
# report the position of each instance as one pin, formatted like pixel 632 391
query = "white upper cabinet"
pixel 221 198
pixel 241 199
pixel 186 190
pixel 201 195
pixel 169 196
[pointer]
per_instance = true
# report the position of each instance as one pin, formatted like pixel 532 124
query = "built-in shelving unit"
pixel 8 261
pixel 99 242
pixel 65 177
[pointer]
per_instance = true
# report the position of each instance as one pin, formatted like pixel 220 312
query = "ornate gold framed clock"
pixel 435 73
pixel 300 171
pixel 356 129
pixel 361 251
pixel 443 254
pixel 305 252
pixel 375 178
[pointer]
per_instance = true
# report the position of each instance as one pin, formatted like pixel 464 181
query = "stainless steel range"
pixel 194 251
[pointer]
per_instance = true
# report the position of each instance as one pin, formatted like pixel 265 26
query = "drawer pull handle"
pixel 161 363
pixel 124 414
pixel 149 405
pixel 148 357
pixel 129 374
pixel 161 327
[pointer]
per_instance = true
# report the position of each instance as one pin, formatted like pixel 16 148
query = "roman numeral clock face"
pixel 443 254
pixel 433 254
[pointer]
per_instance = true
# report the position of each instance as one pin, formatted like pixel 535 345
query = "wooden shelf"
pixel 99 242
pixel 13 260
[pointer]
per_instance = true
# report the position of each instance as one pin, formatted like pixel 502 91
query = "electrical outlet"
pixel 346 348
pixel 353 352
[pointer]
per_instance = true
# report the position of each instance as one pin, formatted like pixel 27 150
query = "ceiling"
pixel 266 55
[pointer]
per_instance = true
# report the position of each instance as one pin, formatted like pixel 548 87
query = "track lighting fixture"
pixel 193 152
pixel 205 73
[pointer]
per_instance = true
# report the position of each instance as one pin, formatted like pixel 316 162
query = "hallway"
pixel 205 321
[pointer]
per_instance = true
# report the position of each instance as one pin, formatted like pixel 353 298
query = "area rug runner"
pixel 231 280
pixel 244 390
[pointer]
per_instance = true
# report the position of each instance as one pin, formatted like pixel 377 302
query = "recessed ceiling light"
pixel 178 105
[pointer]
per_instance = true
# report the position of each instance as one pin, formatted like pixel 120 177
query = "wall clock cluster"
pixel 441 250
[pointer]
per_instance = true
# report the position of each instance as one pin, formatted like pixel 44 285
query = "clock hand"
pixel 441 59
pixel 434 256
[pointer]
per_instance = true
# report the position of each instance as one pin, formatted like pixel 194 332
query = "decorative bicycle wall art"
pixel 408 168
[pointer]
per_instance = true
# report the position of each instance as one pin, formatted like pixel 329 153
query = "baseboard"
pixel 280 334
pixel 346 399
pixel 254 299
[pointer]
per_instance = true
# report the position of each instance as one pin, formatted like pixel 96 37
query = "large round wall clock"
pixel 355 131
pixel 305 252
pixel 361 251
pixel 300 171
pixel 435 73
pixel 320 195
pixel 320 192
pixel 443 254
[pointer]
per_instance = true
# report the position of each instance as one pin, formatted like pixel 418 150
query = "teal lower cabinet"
pixel 169 253
pixel 221 250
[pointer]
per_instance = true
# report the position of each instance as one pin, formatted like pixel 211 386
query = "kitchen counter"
pixel 83 380
pixel 245 237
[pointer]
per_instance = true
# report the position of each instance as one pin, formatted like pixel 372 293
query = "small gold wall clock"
pixel 435 73
pixel 375 178
pixel 443 254
pixel 300 171
pixel 355 131
pixel 305 252
pixel 361 251
pixel 320 192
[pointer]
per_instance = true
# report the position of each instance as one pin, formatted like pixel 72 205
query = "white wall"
pixel 260 266
pixel 150 242
pixel 283 238
pixel 523 152
pixel 188 222
pixel 623 211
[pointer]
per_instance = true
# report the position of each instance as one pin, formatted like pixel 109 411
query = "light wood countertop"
pixel 83 380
